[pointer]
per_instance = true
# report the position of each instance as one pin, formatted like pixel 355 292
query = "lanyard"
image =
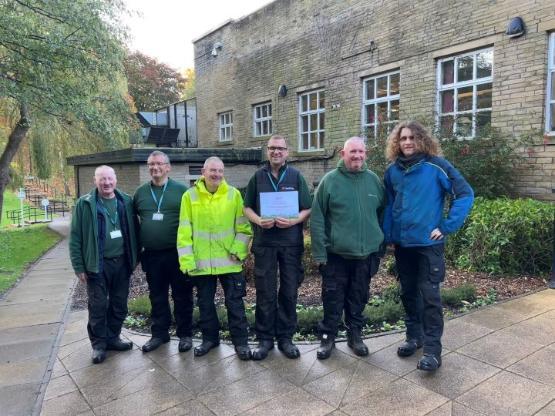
pixel 279 180
pixel 158 203
pixel 114 220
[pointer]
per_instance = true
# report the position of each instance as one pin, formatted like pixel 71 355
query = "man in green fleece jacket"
pixel 346 237
pixel 103 251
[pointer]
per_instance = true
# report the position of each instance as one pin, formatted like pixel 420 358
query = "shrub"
pixel 505 236
pixel 456 296
pixel 386 311
pixel 392 293
pixel 140 305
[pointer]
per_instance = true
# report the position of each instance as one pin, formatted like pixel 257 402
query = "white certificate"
pixel 279 204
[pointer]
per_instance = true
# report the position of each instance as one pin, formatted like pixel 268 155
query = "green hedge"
pixel 505 236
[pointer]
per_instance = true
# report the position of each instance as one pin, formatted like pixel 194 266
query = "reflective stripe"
pixel 193 194
pixel 217 262
pixel 184 251
pixel 243 238
pixel 185 223
pixel 241 220
pixel 207 235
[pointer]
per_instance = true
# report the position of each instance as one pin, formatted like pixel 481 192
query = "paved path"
pixel 497 361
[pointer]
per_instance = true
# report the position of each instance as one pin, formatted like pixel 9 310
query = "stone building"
pixel 319 71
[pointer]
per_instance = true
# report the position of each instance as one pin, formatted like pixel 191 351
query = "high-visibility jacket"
pixel 212 227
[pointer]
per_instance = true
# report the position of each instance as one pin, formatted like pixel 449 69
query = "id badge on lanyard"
pixel 157 216
pixel 115 234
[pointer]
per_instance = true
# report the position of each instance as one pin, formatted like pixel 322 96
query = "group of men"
pixel 186 238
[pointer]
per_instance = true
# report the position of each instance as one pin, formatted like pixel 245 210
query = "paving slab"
pixel 189 408
pixel 493 318
pixel 457 375
pixel 67 405
pixel 500 349
pixel 454 409
pixel 508 394
pixel 245 394
pixel 548 410
pixel 539 366
pixel 459 332
pixel 30 371
pixel 399 398
pixel 59 387
pixel 295 402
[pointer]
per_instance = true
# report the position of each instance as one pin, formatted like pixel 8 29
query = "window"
pixel 312 112
pixel 380 104
pixel 550 96
pixel 262 119
pixel 226 126
pixel 464 93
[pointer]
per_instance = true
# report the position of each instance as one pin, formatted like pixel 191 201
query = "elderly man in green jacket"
pixel 346 237
pixel 103 251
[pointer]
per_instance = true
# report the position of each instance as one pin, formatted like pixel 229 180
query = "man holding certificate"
pixel 277 202
pixel 346 237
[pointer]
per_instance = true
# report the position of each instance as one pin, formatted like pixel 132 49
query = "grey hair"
pixel 161 154
pixel 102 167
pixel 212 159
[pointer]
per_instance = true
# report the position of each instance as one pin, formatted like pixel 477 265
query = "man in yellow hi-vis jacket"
pixel 212 242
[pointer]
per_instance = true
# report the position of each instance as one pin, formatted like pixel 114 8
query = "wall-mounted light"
pixel 282 90
pixel 216 48
pixel 515 28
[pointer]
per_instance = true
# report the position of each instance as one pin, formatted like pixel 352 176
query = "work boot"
pixel 288 349
pixel 354 341
pixel 243 352
pixel 261 350
pixel 154 343
pixel 326 345
pixel 185 344
pixel 409 347
pixel 119 345
pixel 206 346
pixel 429 362
pixel 98 355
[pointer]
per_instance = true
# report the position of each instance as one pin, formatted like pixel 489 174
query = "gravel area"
pixel 310 290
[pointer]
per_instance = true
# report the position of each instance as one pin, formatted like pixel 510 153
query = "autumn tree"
pixel 151 83
pixel 62 60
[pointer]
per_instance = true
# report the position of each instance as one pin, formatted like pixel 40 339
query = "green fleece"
pixel 345 214
pixel 83 237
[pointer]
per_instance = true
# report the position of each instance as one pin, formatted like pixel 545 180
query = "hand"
pixel 266 222
pixel 436 234
pixel 82 277
pixel 284 222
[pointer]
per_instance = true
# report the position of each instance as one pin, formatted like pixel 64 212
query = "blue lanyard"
pixel 279 180
pixel 114 220
pixel 158 203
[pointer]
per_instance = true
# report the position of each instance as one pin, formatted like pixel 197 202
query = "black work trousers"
pixel 162 272
pixel 234 287
pixel 421 270
pixel 345 288
pixel 107 297
pixel 276 310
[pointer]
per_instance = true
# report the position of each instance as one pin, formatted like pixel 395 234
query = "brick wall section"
pixel 307 44
pixel 130 176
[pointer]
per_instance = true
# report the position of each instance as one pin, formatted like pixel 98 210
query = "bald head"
pixel 105 181
pixel 354 153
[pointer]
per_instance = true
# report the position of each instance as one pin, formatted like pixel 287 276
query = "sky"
pixel 165 29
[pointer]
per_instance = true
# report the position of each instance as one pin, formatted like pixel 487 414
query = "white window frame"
pixel 371 129
pixel 319 111
pixel 550 94
pixel 262 126
pixel 226 126
pixel 455 85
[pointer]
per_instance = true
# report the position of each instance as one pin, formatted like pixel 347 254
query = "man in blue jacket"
pixel 416 184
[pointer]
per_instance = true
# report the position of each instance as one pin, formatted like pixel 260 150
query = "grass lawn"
pixel 20 247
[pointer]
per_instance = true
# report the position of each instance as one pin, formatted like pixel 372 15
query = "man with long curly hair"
pixel 417 183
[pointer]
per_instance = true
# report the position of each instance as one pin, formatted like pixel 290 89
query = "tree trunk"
pixel 14 141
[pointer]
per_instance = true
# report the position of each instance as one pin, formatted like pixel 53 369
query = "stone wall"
pixel 313 44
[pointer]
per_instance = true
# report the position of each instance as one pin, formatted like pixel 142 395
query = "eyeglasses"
pixel 276 148
pixel 156 164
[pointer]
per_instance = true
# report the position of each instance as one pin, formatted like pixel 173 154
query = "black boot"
pixel 243 352
pixel 185 344
pixel 354 341
pixel 206 346
pixel 261 351
pixel 154 343
pixel 429 362
pixel 288 349
pixel 409 347
pixel 326 345
pixel 98 355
